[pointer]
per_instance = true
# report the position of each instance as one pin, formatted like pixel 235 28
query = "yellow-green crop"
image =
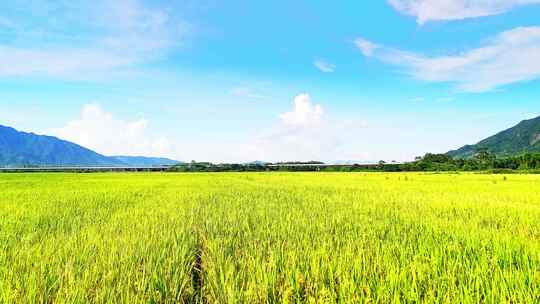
pixel 269 238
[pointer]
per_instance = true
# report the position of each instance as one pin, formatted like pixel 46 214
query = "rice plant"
pixel 269 238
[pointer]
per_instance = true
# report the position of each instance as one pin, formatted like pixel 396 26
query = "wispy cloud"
pixel 324 66
pixel 59 61
pixel 433 10
pixel 365 46
pixel 510 57
pixel 107 35
pixel 531 115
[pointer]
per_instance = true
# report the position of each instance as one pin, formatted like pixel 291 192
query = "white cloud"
pixel 113 35
pixel 366 47
pixel 324 66
pixel 305 133
pixel 304 112
pixel 433 10
pixel 98 130
pixel 512 56
pixel 531 115
pixel 132 26
pixel 22 62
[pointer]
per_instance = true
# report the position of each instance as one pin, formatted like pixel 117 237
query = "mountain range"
pixel 522 138
pixel 28 149
pixel 143 161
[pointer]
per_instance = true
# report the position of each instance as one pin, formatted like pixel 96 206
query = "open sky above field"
pixel 242 80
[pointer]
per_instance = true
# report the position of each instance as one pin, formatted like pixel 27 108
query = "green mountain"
pixel 523 138
pixel 28 149
pixel 143 161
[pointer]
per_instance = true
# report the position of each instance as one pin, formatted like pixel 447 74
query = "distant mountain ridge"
pixel 144 161
pixel 522 138
pixel 352 162
pixel 257 162
pixel 29 149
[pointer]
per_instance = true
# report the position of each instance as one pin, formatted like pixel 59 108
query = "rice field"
pixel 269 238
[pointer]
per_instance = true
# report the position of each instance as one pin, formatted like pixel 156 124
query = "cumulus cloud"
pixel 304 112
pixel 113 34
pixel 510 57
pixel 304 133
pixel 98 130
pixel 433 10
pixel 324 66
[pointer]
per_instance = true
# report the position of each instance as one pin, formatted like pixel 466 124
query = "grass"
pixel 267 238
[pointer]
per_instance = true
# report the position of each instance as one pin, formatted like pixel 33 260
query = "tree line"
pixel 483 160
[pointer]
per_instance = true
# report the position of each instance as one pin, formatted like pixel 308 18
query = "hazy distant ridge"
pixel 145 161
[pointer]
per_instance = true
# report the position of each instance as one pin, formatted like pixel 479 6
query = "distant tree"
pixel 485 158
pixel 437 158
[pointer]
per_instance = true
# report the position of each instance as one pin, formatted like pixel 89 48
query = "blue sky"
pixel 243 80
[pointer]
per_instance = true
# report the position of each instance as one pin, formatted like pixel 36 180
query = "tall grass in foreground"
pixel 267 238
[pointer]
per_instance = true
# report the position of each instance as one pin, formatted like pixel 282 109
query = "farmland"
pixel 269 237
